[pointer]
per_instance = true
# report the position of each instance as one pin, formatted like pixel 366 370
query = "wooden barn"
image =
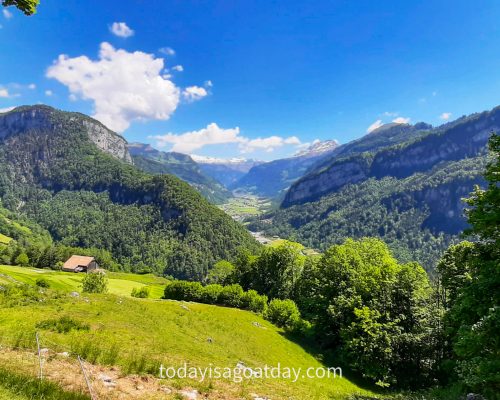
pixel 80 264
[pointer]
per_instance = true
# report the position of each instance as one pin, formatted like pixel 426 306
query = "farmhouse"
pixel 80 264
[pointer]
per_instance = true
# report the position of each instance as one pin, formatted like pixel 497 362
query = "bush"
pixel 231 296
pixel 183 290
pixel 141 293
pixel 253 301
pixel 211 294
pixel 42 282
pixel 283 313
pixel 62 325
pixel 95 282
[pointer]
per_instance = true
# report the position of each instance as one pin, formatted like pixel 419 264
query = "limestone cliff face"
pixel 46 119
pixel 464 138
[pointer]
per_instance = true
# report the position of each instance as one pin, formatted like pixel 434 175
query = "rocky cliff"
pixel 465 138
pixel 44 118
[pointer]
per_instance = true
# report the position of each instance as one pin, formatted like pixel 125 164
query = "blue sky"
pixel 259 79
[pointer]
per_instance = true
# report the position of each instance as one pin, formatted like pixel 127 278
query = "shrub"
pixel 253 301
pixel 62 325
pixel 231 296
pixel 211 294
pixel 42 282
pixel 141 293
pixel 183 290
pixel 22 260
pixel 95 282
pixel 283 313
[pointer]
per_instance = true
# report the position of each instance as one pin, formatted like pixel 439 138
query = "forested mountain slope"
pixel 73 176
pixel 408 194
pixel 183 166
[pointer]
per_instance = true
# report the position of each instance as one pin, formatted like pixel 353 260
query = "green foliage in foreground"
pixel 470 276
pixel 27 387
pixel 28 7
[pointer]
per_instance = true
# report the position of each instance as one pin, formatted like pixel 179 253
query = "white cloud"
pixel 434 94
pixel 208 84
pixel 214 135
pixel 4 93
pixel 32 86
pixel 167 51
pixel 48 93
pixel 6 109
pixel 121 29
pixel 7 14
pixel 377 124
pixel 390 114
pixel 189 141
pixel 178 68
pixel 194 93
pixel 445 116
pixel 123 86
pixel 401 120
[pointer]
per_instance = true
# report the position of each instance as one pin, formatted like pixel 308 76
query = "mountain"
pixel 183 166
pixel 409 194
pixel 272 178
pixel 226 171
pixel 74 177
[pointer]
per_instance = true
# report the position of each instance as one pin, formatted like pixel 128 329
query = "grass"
pixel 4 239
pixel 21 387
pixel 140 334
pixel 119 283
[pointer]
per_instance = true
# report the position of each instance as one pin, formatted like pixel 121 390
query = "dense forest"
pixel 53 173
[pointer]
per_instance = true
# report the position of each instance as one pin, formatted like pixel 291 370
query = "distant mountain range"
pixel 183 166
pixel 272 178
pixel 403 183
pixel 225 171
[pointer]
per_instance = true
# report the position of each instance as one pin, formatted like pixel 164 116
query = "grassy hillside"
pixel 138 334
pixel 119 283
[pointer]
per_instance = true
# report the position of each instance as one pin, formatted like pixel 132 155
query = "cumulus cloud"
pixel 214 135
pixel 377 124
pixel 48 93
pixel 194 93
pixel 390 114
pixel 121 29
pixel 445 116
pixel 167 51
pixel 32 86
pixel 401 120
pixel 178 68
pixel 123 86
pixel 4 93
pixel 189 141
pixel 7 14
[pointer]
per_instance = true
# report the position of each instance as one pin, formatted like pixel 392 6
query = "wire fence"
pixel 30 354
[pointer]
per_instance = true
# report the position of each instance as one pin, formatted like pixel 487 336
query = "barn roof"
pixel 77 261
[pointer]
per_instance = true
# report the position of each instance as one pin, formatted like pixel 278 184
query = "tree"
pixel 471 277
pixel 95 282
pixel 220 273
pixel 28 7
pixel 22 259
pixel 275 272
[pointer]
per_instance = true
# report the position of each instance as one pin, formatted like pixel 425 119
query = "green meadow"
pixel 138 335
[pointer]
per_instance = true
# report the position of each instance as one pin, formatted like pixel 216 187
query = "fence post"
pixel 39 356
pixel 86 379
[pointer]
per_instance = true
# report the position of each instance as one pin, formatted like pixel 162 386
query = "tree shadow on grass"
pixel 330 359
